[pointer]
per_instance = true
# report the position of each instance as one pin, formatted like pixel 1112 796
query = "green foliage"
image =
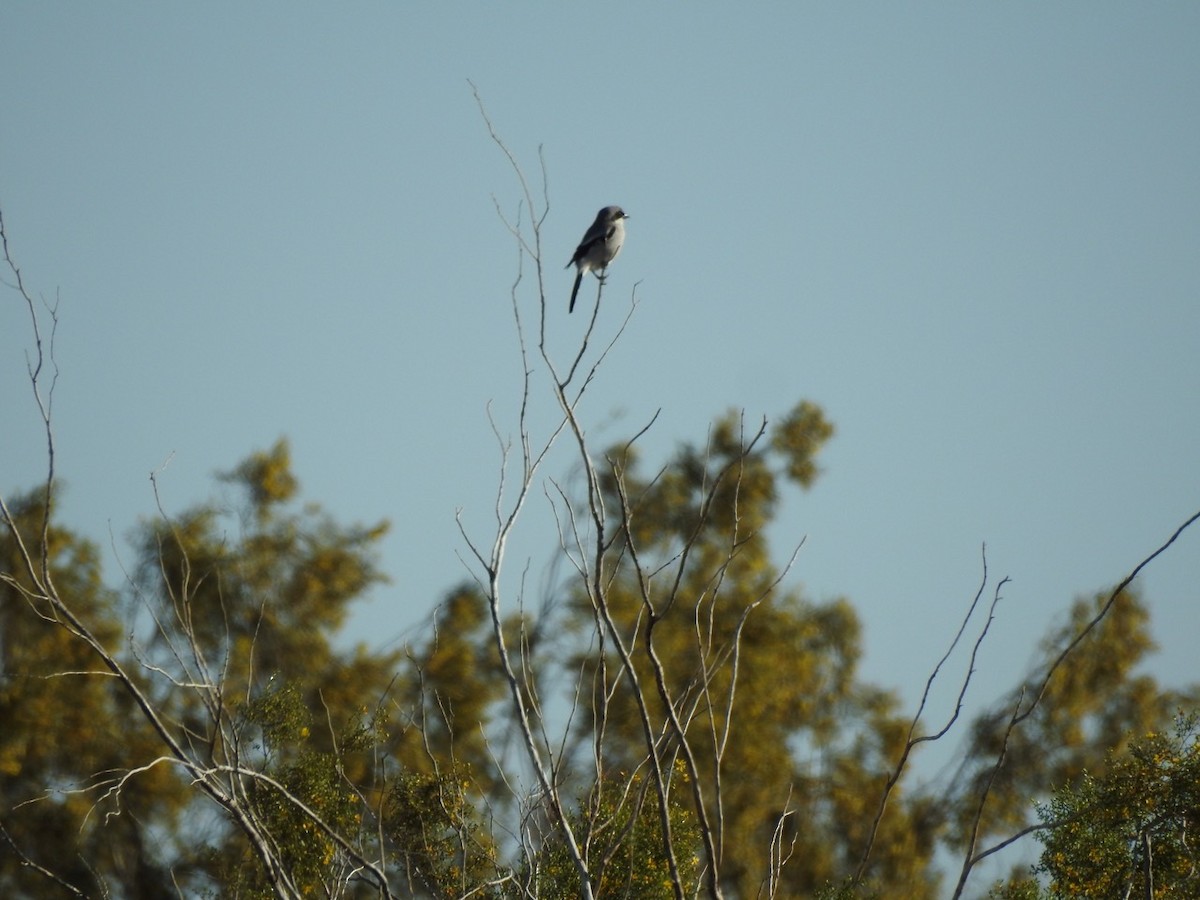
pixel 297 772
pixel 1130 831
pixel 67 731
pixel 402 754
pixel 798 438
pixel 269 599
pixel 452 681
pixel 694 585
pixel 227 618
pixel 1091 704
pixel 624 845
pixel 847 889
pixel 267 477
pixel 1017 889
pixel 434 826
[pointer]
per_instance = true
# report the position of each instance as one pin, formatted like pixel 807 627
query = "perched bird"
pixel 599 247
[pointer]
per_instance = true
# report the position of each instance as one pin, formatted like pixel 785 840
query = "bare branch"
pixel 40 869
pixel 1020 715
pixel 912 741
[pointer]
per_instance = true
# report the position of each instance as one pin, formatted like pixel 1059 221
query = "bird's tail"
pixel 575 290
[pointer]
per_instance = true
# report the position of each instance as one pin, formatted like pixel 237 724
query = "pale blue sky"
pixel 970 232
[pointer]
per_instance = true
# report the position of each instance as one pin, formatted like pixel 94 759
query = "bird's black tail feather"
pixel 575 290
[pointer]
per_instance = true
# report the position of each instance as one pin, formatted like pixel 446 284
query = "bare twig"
pixel 1020 715
pixel 912 741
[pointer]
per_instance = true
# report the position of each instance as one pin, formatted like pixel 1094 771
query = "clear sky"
pixel 970 232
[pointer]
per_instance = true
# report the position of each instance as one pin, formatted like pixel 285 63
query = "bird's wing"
pixel 595 235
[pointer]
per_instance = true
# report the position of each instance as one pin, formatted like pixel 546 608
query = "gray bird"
pixel 599 246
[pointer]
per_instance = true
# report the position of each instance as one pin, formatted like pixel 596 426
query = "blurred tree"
pixel 450 684
pixel 763 682
pixel 230 634
pixel 1093 702
pixel 348 733
pixel 741 731
pixel 67 732
pixel 264 598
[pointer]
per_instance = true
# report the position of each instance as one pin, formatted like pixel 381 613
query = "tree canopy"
pixel 693 675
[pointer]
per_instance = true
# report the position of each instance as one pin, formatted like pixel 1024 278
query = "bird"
pixel 599 247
